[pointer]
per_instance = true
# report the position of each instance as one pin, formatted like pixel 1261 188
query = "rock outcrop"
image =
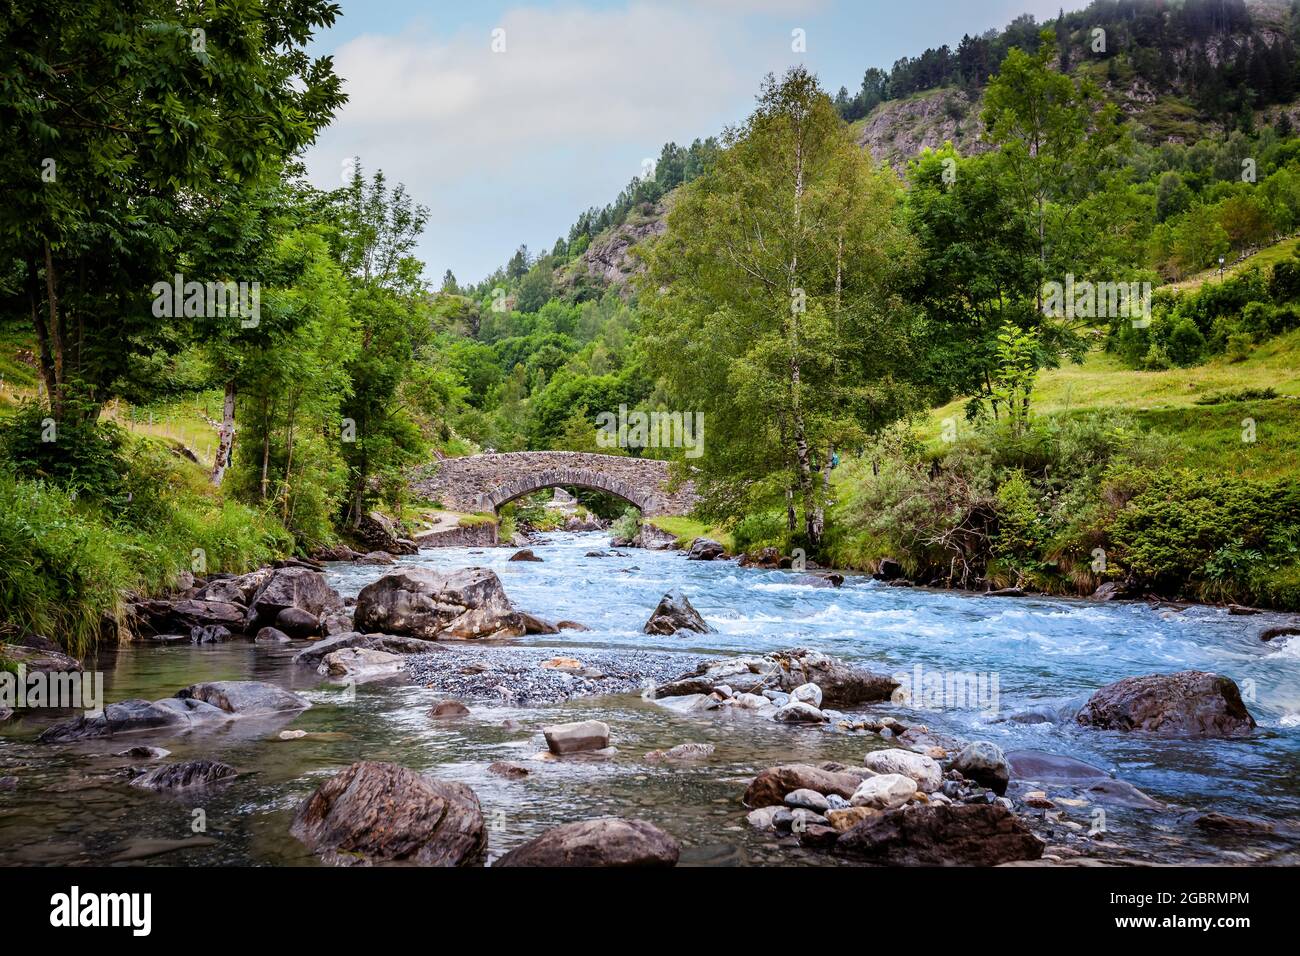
pixel 942 835
pixel 675 613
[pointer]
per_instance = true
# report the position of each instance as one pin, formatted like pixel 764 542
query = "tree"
pixel 1052 136
pixel 772 305
pixel 109 165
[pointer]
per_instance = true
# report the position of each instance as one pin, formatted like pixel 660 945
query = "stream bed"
pixel 71 803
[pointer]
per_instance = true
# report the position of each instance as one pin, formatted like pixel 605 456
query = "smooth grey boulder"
pixel 673 614
pixel 298 623
pixel 604 842
pixel 379 813
pixel 245 698
pixel 271 635
pixel 134 716
pixel 986 764
pixel 360 664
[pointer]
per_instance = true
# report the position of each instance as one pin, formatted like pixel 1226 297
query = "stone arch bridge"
pixel 483 483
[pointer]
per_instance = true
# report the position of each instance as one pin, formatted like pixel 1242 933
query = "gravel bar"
pixel 514 673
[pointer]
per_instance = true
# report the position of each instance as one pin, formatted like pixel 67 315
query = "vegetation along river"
pixel 1035 659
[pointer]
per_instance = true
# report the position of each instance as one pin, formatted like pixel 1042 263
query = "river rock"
pixel 449 708
pixel 681 752
pixel 163 616
pixel 1286 630
pixel 1223 823
pixel 807 800
pixel 689 703
pixel 379 558
pixel 134 716
pixel 768 558
pixel 535 625
pixel 360 664
pixel 884 792
pixel 300 588
pixel 296 622
pixel 808 693
pixel 525 555
pixel 605 842
pixel 986 764
pixel 389 643
pixel 942 835
pixel 764 818
pixel 1188 703
pixel 577 737
pixel 420 602
pixel 185 775
pixel 144 753
pixel 846 818
pixel 210 634
pixel 675 613
pixel 770 787
pixel 927 774
pixel 271 635
pixel 888 570
pixel 797 712
pixel 570 626
pixel 705 549
pixel 245 698
pixel 779 673
pixel 827 579
pixel 40 656
pixel 508 769
pixel 375 813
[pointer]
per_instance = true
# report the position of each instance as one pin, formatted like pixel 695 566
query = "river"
pixel 72 804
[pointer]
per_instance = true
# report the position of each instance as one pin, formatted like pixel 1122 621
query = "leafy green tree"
pixel 772 306
pixel 120 120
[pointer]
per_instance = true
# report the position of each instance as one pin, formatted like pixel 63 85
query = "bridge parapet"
pixel 486 482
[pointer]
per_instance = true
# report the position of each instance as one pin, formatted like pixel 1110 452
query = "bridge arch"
pixel 496 498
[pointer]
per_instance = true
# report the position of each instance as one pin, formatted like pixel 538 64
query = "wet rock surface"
pixel 184 776
pixel 1188 703
pixel 606 842
pixel 968 835
pixel 467 604
pixel 675 613
pixel 379 813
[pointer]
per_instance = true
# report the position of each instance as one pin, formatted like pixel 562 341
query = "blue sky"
pixel 508 147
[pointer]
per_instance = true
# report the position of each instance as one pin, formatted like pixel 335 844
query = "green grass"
pixel 688 529
pixel 1103 381
pixel 1265 259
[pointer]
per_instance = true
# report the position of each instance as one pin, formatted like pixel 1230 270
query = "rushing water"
pixel 72 803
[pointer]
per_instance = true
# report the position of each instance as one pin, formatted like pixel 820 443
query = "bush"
pixel 764 529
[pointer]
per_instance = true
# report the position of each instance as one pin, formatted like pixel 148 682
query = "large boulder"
pixel 926 773
pixel 608 842
pixel 942 835
pixel 133 716
pixel 39 656
pixel 705 549
pixel 292 587
pixel 771 787
pixel 841 684
pixel 675 613
pixel 245 698
pixel 183 776
pixel 986 764
pixel 375 813
pixel 360 664
pixel 1187 704
pixel 420 602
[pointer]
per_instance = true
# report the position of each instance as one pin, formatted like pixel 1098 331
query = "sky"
pixel 509 146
